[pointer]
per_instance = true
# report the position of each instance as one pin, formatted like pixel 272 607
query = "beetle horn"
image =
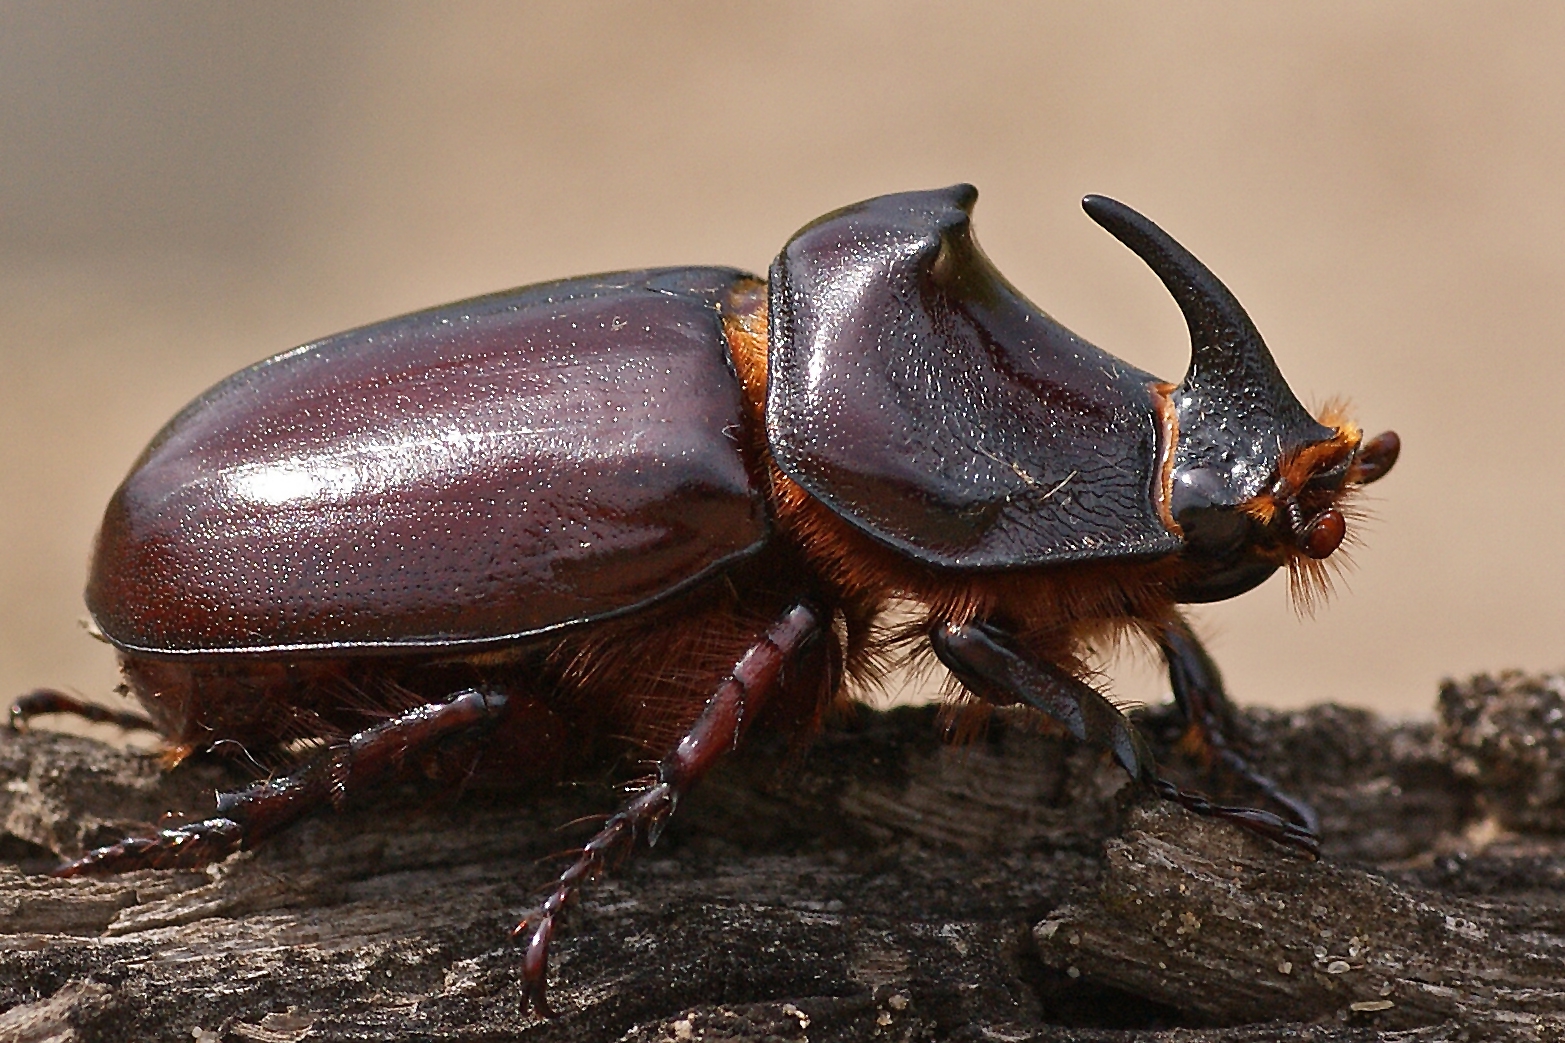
pixel 1237 416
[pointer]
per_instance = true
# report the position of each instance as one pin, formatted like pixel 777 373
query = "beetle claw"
pixel 188 847
pixel 535 967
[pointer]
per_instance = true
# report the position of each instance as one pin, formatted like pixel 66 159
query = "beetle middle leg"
pixel 981 657
pixel 245 818
pixel 764 671
pixel 1198 690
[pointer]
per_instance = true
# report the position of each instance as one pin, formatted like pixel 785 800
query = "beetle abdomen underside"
pixel 458 476
pixel 923 399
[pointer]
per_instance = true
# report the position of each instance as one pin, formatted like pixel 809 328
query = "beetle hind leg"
pixel 44 701
pixel 982 658
pixel 247 817
pixel 764 671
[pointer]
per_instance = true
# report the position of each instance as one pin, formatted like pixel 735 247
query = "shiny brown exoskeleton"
pixel 513 534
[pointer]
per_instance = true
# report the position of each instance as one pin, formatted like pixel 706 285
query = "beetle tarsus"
pixel 45 701
pixel 187 847
pixel 981 656
pixel 615 838
pixel 1262 823
pixel 738 700
pixel 246 817
pixel 1209 718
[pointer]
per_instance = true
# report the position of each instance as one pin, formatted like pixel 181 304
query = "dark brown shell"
pixel 455 477
pixel 927 402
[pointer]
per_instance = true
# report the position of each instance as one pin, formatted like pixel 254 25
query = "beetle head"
pixel 1257 482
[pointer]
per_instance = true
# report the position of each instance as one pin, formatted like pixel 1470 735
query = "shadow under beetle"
pixel 665 507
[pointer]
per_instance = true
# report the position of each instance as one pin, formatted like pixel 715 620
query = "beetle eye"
pixel 1324 534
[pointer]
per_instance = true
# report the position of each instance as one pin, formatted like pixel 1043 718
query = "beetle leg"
pixel 1198 689
pixel 979 656
pixel 249 816
pixel 47 700
pixel 737 701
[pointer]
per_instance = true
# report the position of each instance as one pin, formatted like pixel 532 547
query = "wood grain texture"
pixel 889 889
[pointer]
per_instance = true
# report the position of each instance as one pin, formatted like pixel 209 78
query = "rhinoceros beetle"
pixel 666 507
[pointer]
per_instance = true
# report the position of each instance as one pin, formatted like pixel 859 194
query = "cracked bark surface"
pixel 889 889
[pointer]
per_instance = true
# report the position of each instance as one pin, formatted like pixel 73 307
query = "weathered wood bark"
pixel 890 889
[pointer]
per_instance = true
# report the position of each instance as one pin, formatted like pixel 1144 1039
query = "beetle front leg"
pixel 738 700
pixel 245 818
pixel 1198 689
pixel 980 657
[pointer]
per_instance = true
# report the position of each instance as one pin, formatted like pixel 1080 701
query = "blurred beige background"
pixel 186 188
